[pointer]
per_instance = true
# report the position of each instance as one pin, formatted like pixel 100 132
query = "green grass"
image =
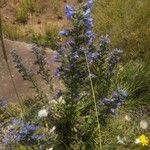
pixel 135 77
pixel 12 32
pixel 25 8
pixel 15 32
pixel 127 22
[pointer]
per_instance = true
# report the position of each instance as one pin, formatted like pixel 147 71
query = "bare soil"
pixel 39 22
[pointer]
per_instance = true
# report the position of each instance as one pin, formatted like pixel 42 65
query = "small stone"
pixel 59 17
pixel 39 22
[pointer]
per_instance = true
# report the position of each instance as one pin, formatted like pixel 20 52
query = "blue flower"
pixel 90 41
pixel 89 22
pixel 93 56
pixel 70 43
pixel 117 100
pixel 89 33
pixel 64 32
pixel 106 101
pixel 87 13
pixel 59 72
pixel 75 55
pixel 104 40
pixel 89 3
pixel 56 57
pixel 21 132
pixel 69 11
pixel 17 122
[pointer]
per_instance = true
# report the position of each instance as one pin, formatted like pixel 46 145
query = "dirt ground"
pixel 51 16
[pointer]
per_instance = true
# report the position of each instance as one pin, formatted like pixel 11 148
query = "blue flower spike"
pixel 69 12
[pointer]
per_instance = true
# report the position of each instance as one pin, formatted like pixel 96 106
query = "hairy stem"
pixel 94 98
pixel 6 60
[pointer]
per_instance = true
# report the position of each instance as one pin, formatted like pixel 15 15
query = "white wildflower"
pixel 53 129
pixel 50 148
pixel 43 113
pixel 143 124
pixel 137 141
pixel 120 141
pixel 10 127
pixel 128 118
pixel 61 100
pixel 53 101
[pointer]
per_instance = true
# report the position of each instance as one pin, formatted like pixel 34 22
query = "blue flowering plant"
pixel 20 132
pixel 87 67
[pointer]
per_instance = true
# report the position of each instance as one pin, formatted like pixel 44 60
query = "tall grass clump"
pixel 78 116
pixel 26 7
pixel 48 39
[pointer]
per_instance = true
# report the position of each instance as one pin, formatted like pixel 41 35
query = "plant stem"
pixel 94 98
pixel 6 60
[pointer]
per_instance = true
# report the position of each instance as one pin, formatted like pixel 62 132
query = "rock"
pixel 24 49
